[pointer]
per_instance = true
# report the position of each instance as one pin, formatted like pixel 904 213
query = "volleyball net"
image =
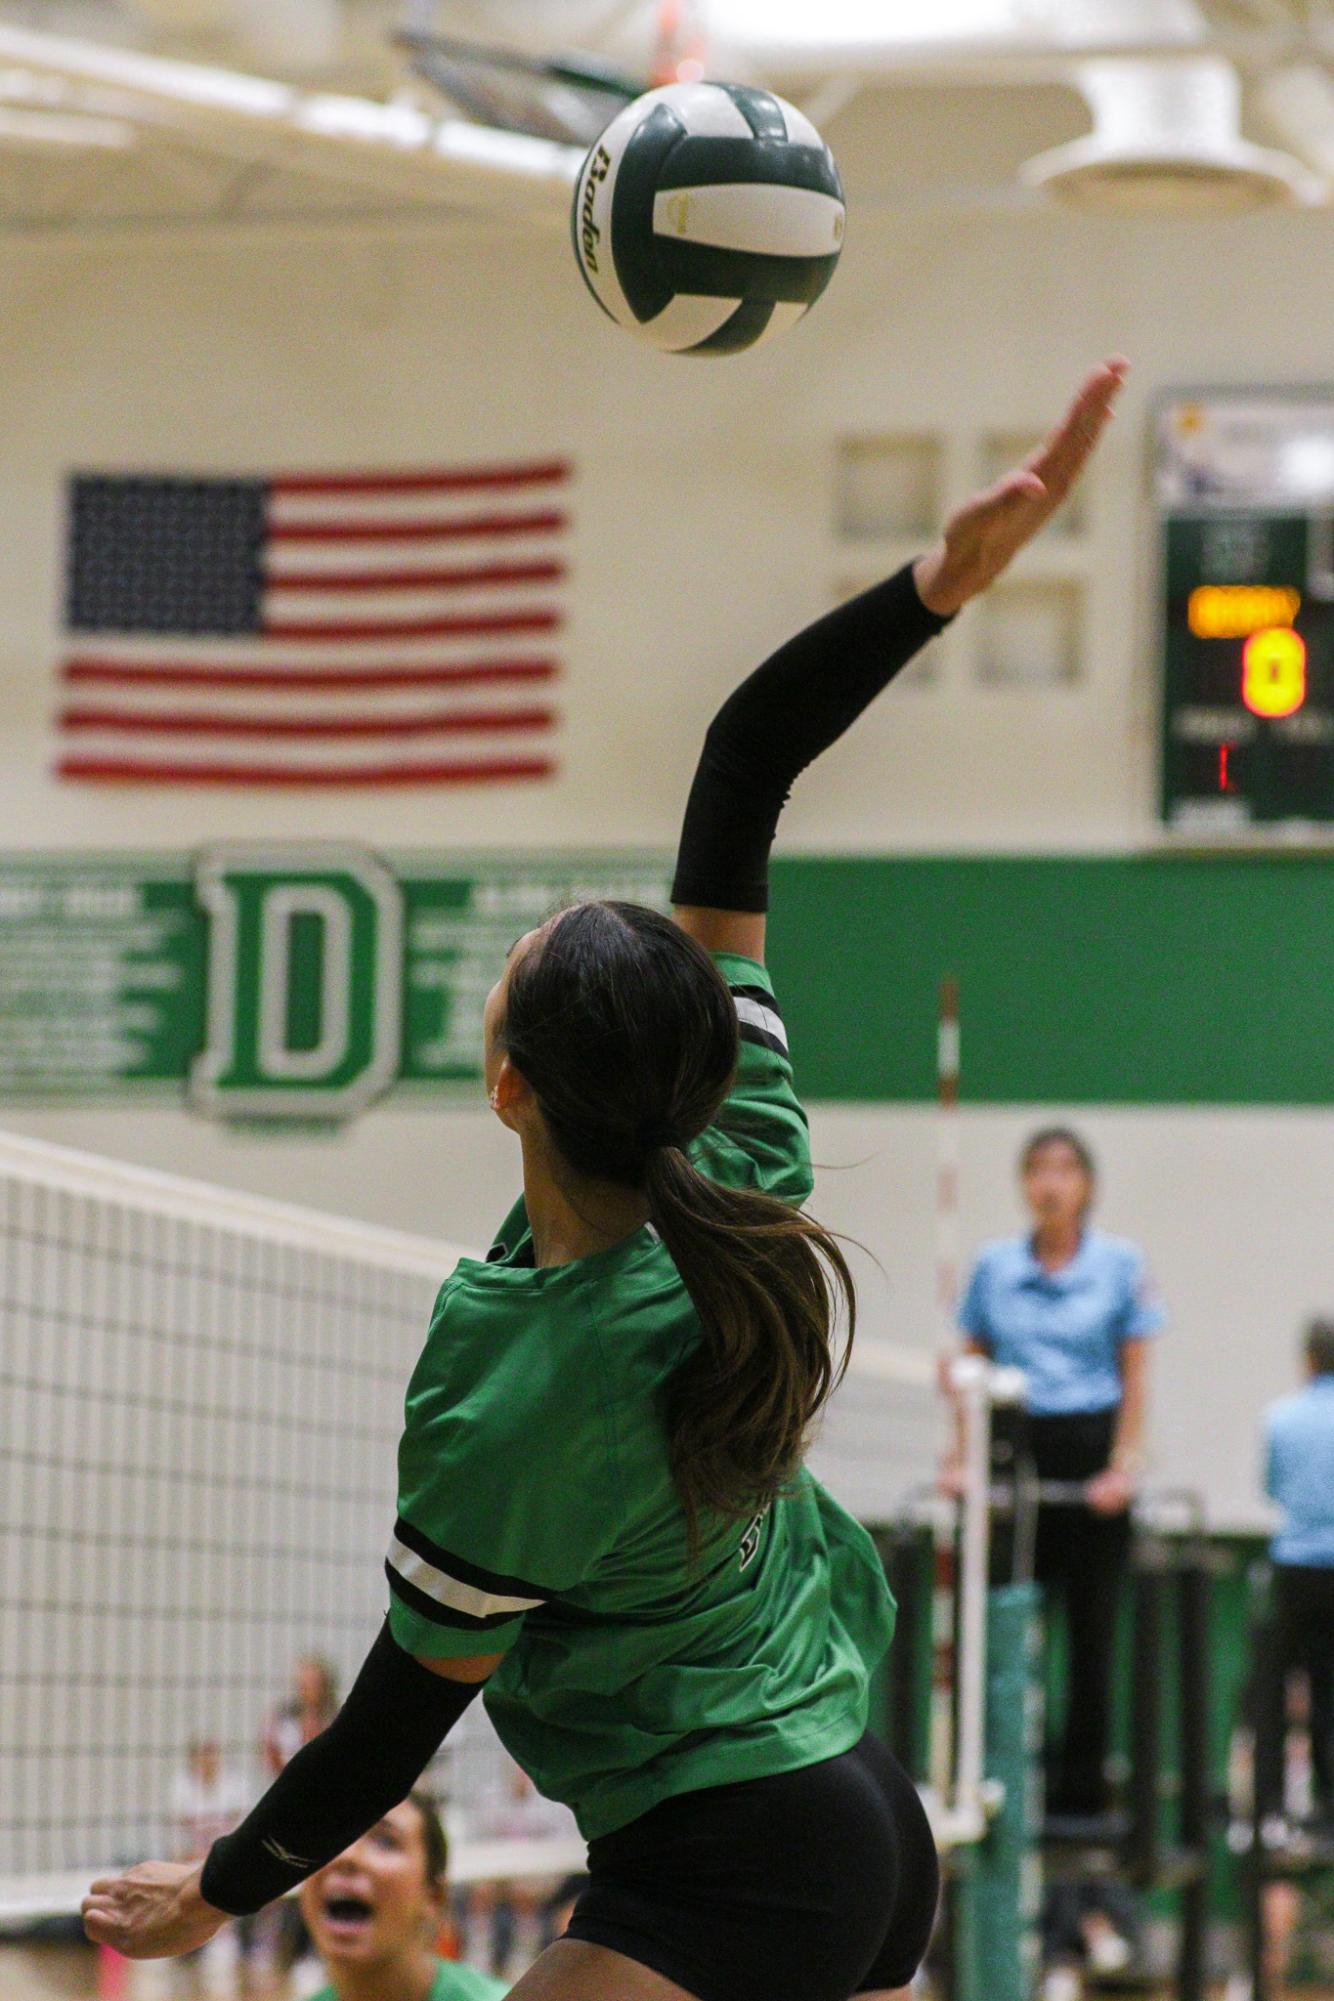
pixel 202 1396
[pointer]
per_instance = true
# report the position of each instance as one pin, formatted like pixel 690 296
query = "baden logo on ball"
pixel 708 217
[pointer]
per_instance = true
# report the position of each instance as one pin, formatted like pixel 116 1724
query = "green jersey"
pixel 538 1517
pixel 453 1982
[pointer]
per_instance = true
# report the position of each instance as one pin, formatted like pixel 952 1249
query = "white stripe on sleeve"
pixel 449 1591
pixel 760 1017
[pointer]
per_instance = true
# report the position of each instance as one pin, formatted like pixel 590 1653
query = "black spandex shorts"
pixel 813 1885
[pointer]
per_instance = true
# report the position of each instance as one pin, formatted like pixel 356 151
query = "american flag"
pixel 314 630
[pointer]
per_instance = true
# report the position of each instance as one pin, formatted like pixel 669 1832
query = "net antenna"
pixel 948 1054
pixel 975 1387
pixel 680 45
pixel 569 99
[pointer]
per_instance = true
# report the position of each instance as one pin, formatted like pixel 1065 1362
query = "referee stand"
pixel 1159 1835
pixel 1158 1838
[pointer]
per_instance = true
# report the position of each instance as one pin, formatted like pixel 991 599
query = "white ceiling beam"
pixel 395 149
pixel 1001 41
pixel 1025 60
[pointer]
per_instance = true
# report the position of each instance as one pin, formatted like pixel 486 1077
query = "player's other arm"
pixel 814 688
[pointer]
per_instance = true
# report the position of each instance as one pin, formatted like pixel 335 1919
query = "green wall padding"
pixel 1163 979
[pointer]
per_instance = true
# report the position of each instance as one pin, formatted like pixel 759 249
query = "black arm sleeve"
pixel 393 1721
pixel 775 724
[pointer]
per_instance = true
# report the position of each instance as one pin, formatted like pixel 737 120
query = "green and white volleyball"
pixel 708 217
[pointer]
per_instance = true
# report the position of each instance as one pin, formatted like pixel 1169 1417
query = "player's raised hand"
pixel 983 537
pixel 151 1912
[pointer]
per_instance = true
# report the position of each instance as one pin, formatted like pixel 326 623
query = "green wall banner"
pixel 304 985
pixel 295 981
pixel 266 982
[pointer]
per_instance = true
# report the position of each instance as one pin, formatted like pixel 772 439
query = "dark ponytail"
pixel 627 1034
pixel 765 1281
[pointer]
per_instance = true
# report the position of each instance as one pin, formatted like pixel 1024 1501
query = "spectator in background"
pixel 1299 1476
pixel 209 1799
pixel 377 1911
pixel 561 1903
pixel 310 1708
pixel 1289 1795
pixel 507 1923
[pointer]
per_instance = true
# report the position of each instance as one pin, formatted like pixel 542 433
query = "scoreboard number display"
pixel 1244 488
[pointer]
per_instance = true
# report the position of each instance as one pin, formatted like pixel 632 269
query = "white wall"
pixel 703 517
pixel 703 505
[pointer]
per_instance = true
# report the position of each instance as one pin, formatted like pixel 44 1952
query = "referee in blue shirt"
pixel 1073 1309
pixel 1299 1476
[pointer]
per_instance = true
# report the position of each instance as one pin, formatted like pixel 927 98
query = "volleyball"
pixel 708 217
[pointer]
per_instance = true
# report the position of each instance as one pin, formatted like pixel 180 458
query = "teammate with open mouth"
pixel 375 1914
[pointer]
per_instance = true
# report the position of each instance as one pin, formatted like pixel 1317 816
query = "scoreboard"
pixel 1244 486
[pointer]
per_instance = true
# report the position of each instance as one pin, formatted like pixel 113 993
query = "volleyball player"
pixel 375 1914
pixel 282 1939
pixel 310 1708
pixel 208 1798
pixel 603 1511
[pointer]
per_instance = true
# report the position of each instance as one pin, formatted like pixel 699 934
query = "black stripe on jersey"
pixel 748 1032
pixel 493 1581
pixel 443 1615
pixel 760 994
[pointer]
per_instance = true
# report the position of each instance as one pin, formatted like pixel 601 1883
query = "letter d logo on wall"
pixel 305 982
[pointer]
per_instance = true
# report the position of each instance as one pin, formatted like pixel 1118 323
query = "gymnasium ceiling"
pixel 921 125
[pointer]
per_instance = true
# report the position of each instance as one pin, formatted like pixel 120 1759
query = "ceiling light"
pixel 1167 138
